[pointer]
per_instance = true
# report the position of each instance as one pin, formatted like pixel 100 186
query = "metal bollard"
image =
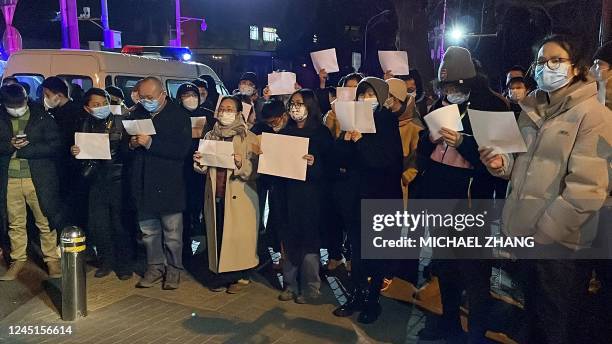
pixel 74 292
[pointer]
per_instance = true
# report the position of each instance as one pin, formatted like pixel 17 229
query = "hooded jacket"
pixel 560 183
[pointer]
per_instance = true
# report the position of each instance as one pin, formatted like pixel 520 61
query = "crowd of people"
pixel 156 189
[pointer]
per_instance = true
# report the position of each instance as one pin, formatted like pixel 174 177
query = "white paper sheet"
pixel 139 127
pixel 346 94
pixel 281 83
pixel 283 156
pixel 217 153
pixel 395 61
pixel 93 146
pixel 498 130
pixel 357 116
pixel 325 59
pixel 447 117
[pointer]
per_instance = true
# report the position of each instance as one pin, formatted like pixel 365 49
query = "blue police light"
pixel 186 57
pixel 457 34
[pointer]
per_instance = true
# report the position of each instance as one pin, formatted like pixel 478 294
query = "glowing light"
pixel 457 34
pixel 186 56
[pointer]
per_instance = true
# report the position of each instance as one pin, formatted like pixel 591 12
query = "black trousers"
pixel 107 216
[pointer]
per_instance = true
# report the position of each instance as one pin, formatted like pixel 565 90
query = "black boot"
pixel 352 305
pixel 371 309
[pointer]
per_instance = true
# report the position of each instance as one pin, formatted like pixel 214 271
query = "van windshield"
pixel 75 82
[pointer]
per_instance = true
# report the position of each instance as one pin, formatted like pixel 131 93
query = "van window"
pixel 34 80
pixel 222 90
pixel 173 85
pixel 81 80
pixel 126 84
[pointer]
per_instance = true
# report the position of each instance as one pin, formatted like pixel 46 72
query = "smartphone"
pixel 21 137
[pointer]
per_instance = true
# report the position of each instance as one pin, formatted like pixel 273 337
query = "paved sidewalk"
pixel 120 313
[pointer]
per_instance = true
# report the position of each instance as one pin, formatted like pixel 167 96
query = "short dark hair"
pixel 517 68
pixel 574 50
pixel 272 109
pixel 26 86
pixel 56 85
pixel 95 92
pixel 353 76
pixel 115 92
pixel 312 106
pixel 200 83
pixel 11 79
pixel 13 95
pixel 235 99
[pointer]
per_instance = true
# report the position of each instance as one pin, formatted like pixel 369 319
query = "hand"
pixel 75 150
pixel 197 156
pixel 451 137
pixel 134 142
pixel 490 159
pixel 266 93
pixel 356 136
pixel 297 86
pixel 388 75
pixel 309 159
pixel 238 160
pixel 347 136
pixel 256 149
pixel 143 140
pixel 19 143
pixel 323 76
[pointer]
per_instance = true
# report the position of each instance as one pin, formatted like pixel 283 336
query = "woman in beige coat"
pixel 230 202
pixel 557 186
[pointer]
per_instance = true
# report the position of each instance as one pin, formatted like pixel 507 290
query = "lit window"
pixel 269 34
pixel 254 33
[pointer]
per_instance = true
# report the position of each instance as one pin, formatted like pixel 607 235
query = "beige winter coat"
pixel 239 241
pixel 563 179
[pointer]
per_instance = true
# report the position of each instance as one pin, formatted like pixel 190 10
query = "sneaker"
pixel 102 272
pixel 153 275
pixel 236 288
pixel 220 289
pixel 13 271
pixel 172 280
pixel 300 300
pixel 286 295
pixel 54 268
pixel 244 281
pixel 333 264
pixel 124 276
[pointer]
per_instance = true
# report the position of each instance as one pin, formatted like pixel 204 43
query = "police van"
pixel 88 69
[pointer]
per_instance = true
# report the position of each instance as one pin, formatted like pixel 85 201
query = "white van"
pixel 101 69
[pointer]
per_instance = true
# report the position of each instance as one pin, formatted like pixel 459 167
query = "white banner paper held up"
pixel 325 59
pixel 92 146
pixel 346 94
pixel 217 153
pixel 498 130
pixel 116 109
pixel 281 83
pixel 395 61
pixel 139 127
pixel 283 156
pixel 447 117
pixel 357 116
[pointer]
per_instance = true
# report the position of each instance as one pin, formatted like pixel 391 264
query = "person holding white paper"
pixel 230 202
pixel 304 215
pixel 106 184
pixel 368 166
pixel 450 168
pixel 330 120
pixel 157 182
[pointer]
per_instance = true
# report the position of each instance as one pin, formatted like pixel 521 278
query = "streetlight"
pixel 203 26
pixel 365 38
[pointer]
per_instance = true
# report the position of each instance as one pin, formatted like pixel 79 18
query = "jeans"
pixel 162 235
pixel 308 273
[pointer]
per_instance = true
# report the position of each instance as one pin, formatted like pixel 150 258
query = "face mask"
pixel 457 98
pixel 298 113
pixel 551 80
pixel 17 112
pixel 372 101
pixel 51 103
pixel 412 94
pixel 190 103
pixel 601 91
pixel 101 112
pixel 226 118
pixel 247 90
pixel 150 105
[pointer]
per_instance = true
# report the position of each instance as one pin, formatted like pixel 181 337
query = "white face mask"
pixel 17 112
pixel 51 103
pixel 190 103
pixel 372 101
pixel 298 113
pixel 550 80
pixel 412 94
pixel 247 90
pixel 226 117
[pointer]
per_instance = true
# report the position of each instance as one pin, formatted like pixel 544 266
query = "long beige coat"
pixel 562 180
pixel 239 243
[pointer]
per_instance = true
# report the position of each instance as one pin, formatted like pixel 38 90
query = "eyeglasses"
pixel 292 104
pixel 552 63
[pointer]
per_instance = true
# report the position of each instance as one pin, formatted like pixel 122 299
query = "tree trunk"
pixel 411 36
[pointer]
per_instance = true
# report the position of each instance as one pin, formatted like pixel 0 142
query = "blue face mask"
pixel 150 105
pixel 101 112
pixel 550 80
